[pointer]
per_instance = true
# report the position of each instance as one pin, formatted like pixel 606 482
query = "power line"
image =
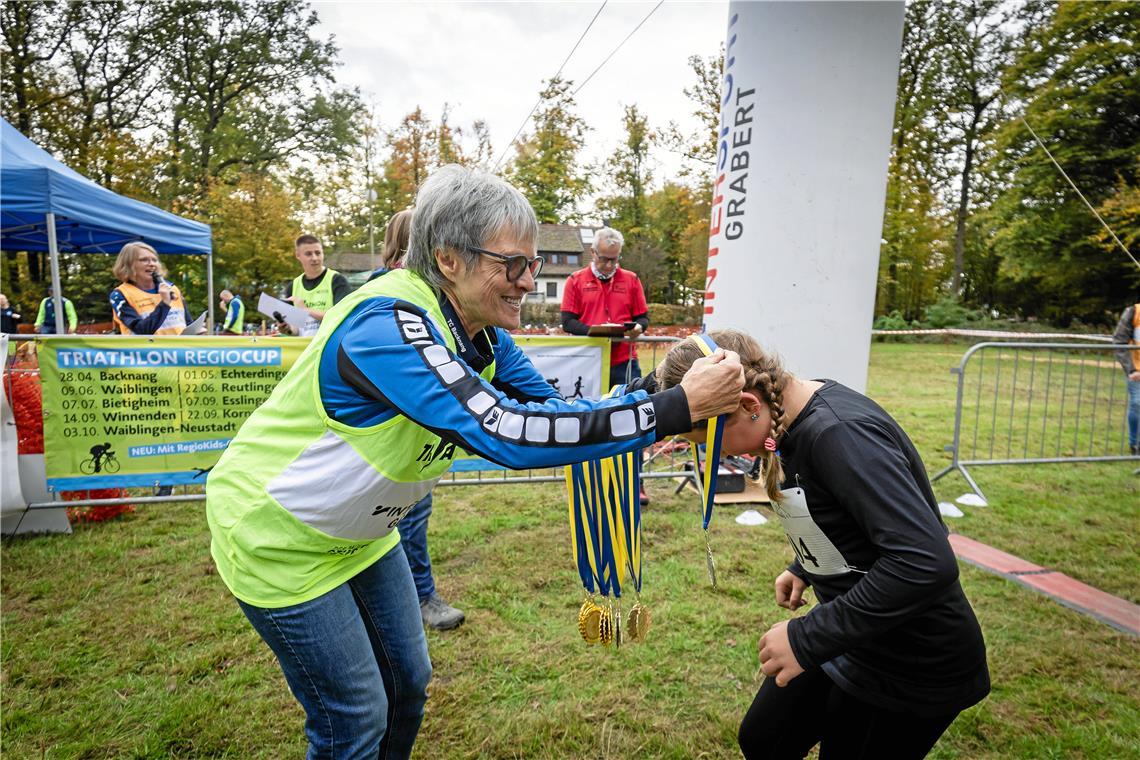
pixel 1079 193
pixel 556 75
pixel 611 55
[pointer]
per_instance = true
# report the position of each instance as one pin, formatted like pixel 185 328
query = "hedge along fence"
pixel 675 314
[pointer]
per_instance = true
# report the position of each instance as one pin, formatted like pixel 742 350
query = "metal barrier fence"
pixel 661 461
pixel 665 460
pixel 1038 403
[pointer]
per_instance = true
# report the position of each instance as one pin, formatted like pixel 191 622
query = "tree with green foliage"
pixel 254 229
pixel 675 229
pixel 913 261
pixel 666 230
pixel 1076 78
pixel 250 88
pixel 974 51
pixel 699 148
pixel 179 104
pixel 629 175
pixel 679 228
pixel 546 167
pixel 108 66
pixel 30 81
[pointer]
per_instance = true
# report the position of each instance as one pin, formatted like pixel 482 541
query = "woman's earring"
pixel 755 417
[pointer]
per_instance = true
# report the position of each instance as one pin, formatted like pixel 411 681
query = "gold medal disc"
pixel 591 626
pixel 637 625
pixel 606 626
pixel 582 613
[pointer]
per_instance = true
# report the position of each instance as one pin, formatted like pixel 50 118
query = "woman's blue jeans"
pixel 413 535
pixel 357 661
pixel 1133 413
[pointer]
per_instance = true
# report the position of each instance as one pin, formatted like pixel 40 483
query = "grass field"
pixel 120 641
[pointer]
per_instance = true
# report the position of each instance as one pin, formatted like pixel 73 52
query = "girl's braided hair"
pixel 764 375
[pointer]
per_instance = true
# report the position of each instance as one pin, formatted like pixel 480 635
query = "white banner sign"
pixel 575 370
pixel 806 112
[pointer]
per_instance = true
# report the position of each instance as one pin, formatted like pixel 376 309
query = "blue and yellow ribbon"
pixel 706 480
pixel 605 520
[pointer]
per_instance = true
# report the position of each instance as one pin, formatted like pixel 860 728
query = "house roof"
pixel 562 238
pixel 345 261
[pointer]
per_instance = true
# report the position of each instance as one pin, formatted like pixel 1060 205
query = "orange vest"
pixel 144 303
pixel 1135 336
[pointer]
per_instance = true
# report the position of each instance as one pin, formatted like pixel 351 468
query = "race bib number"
pixel 814 550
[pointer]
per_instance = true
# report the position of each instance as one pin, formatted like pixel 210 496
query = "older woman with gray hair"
pixel 303 505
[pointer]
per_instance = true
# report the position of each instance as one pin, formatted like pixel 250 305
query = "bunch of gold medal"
pixel 605 532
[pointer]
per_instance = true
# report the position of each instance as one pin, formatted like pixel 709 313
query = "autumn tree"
pixel 1077 78
pixel 913 257
pixel 414 146
pixel 250 87
pixel 254 227
pixel 179 104
pixel 546 165
pixel 627 175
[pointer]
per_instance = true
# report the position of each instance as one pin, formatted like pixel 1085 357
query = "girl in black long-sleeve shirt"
pixel 893 651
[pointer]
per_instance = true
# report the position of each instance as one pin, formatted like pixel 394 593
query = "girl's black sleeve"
pixel 864 465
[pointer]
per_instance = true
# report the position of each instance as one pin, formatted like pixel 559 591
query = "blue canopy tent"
pixel 45 206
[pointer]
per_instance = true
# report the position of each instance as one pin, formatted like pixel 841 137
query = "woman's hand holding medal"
pixel 713 384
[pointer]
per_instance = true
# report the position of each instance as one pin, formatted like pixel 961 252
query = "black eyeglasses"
pixel 516 264
pixel 606 259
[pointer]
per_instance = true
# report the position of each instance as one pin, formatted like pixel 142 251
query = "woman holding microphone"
pixel 144 303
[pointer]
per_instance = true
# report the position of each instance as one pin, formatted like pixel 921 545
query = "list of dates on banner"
pixel 143 412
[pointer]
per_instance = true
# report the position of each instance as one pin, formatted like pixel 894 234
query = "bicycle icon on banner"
pixel 102 460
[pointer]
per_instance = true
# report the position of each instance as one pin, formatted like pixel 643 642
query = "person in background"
pixel 318 288
pixel 892 652
pixel 395 243
pixel 234 322
pixel 435 612
pixel 45 317
pixel 144 303
pixel 1128 333
pixel 304 504
pixel 604 293
pixel 8 317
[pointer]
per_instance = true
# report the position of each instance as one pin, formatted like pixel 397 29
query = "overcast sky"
pixel 488 60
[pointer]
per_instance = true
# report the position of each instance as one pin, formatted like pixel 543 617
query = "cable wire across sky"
pixel 556 75
pixel 620 44
pixel 585 81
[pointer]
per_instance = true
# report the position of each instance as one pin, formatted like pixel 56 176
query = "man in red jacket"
pixel 604 293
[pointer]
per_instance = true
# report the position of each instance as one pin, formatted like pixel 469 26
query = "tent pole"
pixel 56 294
pixel 210 290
